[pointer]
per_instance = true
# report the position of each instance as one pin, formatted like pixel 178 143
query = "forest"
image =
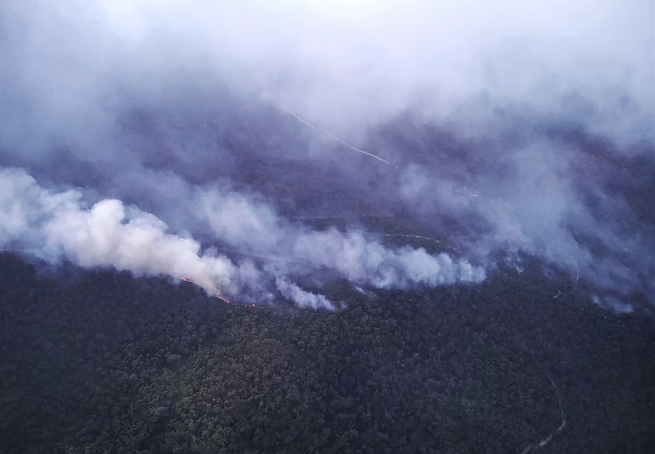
pixel 103 362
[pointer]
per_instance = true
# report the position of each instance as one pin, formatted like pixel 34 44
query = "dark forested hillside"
pixel 100 362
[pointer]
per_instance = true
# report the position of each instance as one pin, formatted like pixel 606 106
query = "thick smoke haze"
pixel 257 148
pixel 52 226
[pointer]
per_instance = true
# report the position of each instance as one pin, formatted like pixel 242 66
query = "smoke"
pixel 353 255
pixel 52 226
pixel 293 140
pixel 301 297
pixel 612 303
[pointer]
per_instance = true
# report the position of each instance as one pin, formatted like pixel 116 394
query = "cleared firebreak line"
pixel 359 150
pixel 288 109
pixel 266 257
pixel 561 427
pixel 325 131
pixel 421 237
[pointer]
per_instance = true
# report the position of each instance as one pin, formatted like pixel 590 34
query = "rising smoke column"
pixel 53 226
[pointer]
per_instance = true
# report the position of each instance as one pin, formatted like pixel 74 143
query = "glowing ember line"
pixel 186 279
pixel 221 298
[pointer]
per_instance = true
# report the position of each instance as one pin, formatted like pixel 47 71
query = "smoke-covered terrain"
pixel 262 150
pixel 462 191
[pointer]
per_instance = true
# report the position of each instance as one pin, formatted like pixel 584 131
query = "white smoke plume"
pixel 53 225
pixel 302 297
pixel 354 255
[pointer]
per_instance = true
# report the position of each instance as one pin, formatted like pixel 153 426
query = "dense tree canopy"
pixel 101 362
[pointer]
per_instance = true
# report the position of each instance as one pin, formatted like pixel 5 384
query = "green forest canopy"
pixel 100 362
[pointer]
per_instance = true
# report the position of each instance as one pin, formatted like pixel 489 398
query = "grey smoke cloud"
pixel 302 297
pixel 53 225
pixel 56 225
pixel 354 255
pixel 516 127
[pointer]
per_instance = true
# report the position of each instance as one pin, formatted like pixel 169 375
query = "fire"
pixel 215 295
pixel 186 279
pixel 221 298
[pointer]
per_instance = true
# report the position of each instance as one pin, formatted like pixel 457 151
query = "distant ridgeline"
pixel 99 361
